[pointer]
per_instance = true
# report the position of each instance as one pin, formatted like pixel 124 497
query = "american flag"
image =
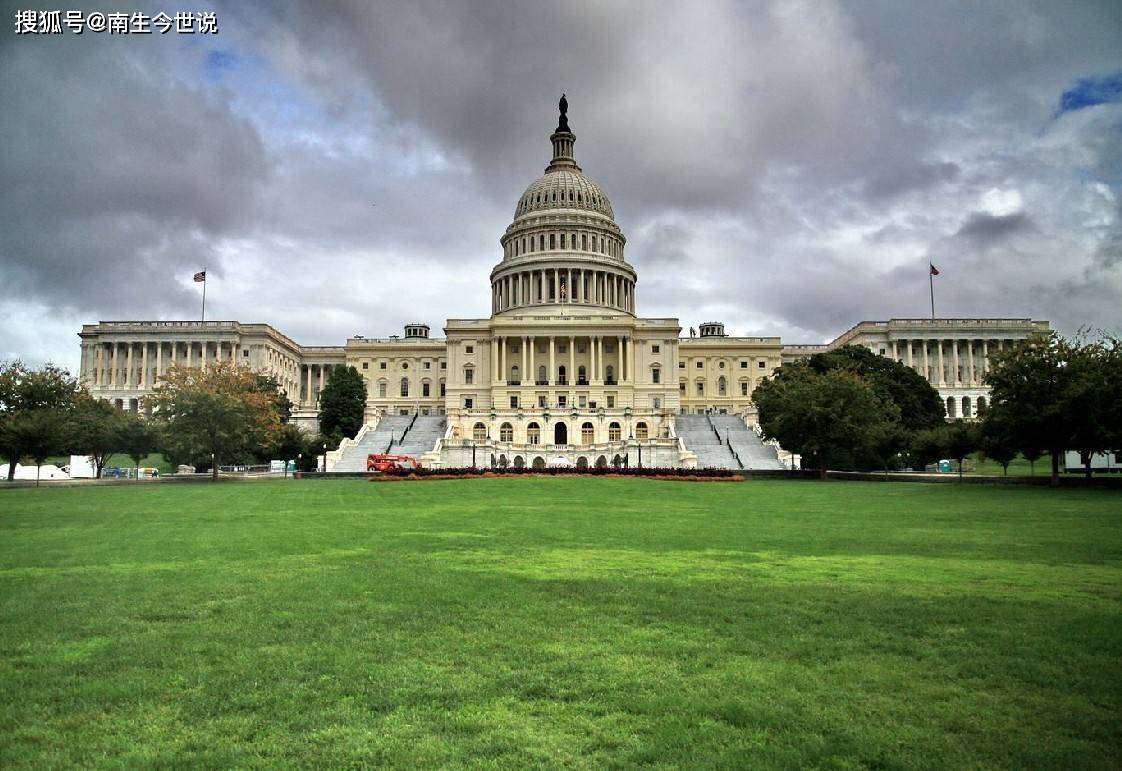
pixel 934 270
pixel 562 288
pixel 200 277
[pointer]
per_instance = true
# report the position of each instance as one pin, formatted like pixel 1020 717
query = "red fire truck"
pixel 385 462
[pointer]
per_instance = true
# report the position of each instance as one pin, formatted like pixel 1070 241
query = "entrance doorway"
pixel 560 434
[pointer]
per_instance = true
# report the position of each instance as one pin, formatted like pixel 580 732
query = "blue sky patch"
pixel 1087 92
pixel 219 62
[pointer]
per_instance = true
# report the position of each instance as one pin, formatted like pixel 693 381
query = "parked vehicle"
pixel 385 462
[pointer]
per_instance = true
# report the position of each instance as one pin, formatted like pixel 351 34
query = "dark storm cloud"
pixel 986 228
pixel 789 167
pixel 119 178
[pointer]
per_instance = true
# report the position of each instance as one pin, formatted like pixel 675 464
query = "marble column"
pixel 113 366
pixel 942 371
pixel 144 366
pixel 927 364
pixel 955 363
pixel 525 341
pixel 502 360
pixel 571 375
pixel 159 360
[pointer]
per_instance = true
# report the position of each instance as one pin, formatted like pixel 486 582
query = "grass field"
pixel 576 622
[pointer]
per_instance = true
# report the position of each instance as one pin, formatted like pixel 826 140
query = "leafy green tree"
pixel 821 415
pixel 214 414
pixel 137 437
pixel 929 446
pixel 32 398
pixel 93 429
pixel 887 439
pixel 962 439
pixel 1032 454
pixel 268 385
pixel 342 402
pixel 997 440
pixel 893 382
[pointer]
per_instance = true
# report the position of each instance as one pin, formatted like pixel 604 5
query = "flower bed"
pixel 673 474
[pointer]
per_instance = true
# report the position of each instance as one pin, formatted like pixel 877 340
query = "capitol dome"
pixel 564 246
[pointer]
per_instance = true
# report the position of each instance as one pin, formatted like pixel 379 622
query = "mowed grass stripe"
pixel 556 621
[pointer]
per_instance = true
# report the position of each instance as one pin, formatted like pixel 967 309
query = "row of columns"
pixel 103 361
pixel 625 357
pixel 963 356
pixel 566 285
pixel 310 397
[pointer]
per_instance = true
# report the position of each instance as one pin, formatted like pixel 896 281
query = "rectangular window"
pixel 654 349
pixel 743 364
pixel 542 400
pixel 611 401
pixel 583 402
pixel 245 353
pixel 562 400
pixel 469 349
pixel 514 402
pixel 656 403
pixel 700 364
pixel 656 375
pixel 428 365
pixel 701 389
pixel 541 347
pixel 681 365
pixel 442 389
pixel 468 402
pixel 469 376
pixel 424 389
pixel 762 364
pixel 366 365
pixel 381 365
pixel 744 389
pixel 682 386
pixel 444 365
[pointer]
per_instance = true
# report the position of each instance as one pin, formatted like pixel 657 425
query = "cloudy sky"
pixel 344 167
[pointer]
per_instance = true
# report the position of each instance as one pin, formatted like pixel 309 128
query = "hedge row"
pixel 706 473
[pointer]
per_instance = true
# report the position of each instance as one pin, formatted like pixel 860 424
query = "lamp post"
pixel 325 457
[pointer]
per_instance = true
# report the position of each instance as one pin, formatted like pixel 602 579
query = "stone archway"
pixel 582 462
pixel 602 462
pixel 539 462
pixel 560 433
pixel 519 461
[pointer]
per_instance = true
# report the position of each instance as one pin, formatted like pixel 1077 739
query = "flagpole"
pixel 930 281
pixel 203 316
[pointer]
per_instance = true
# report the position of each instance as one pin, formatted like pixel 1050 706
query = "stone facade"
pixel 562 366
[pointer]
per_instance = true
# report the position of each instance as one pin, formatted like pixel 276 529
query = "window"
pixel 506 433
pixel 613 432
pixel 682 386
pixel 656 403
pixel 515 374
pixel 654 349
pixel 245 355
pixel 587 434
pixel 425 388
pixel 562 348
pixel 681 365
pixel 582 401
pixel 720 365
pixel 562 400
pixel 656 375
pixel 442 389
pixel 700 388
pixel 366 365
pixel 542 399
pixel 744 388
pixel 762 364
pixel 381 365
pixel 641 431
pixel 469 349
pixel 700 364
pixel 514 402
pixel 722 386
pixel 405 365
pixel 382 387
pixel 743 364
pixel 468 402
pixel 428 365
pixel 611 401
pixel 405 386
pixel 533 433
pixel 479 432
pixel 469 375
pixel 444 365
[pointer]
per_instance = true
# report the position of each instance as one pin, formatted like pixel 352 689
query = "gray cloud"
pixel 788 167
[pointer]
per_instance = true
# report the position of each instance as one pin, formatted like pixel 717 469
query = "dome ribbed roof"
pixel 564 189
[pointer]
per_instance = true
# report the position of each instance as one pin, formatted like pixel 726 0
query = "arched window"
pixel 613 432
pixel 601 462
pixel 533 433
pixel 587 434
pixel 582 462
pixel 425 388
pixel 539 462
pixel 722 385
pixel 950 407
pixel 582 375
pixel 479 432
pixel 656 374
pixel 405 386
pixel 506 433
pixel 609 375
pixel 552 241
pixel 641 431
pixel 383 387
pixel 966 406
pixel 701 388
pixel 541 375
pixel 981 406
pixel 514 374
pixel 519 461
pixel 561 375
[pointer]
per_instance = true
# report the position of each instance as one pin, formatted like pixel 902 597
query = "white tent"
pixel 559 463
pixel 46 471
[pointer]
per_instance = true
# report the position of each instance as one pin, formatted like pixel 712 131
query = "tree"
pixel 342 402
pixel 887 439
pixel 929 445
pixel 267 384
pixel 962 439
pixel 1060 395
pixel 919 403
pixel 94 427
pixel 997 440
pixel 821 415
pixel 214 413
pixel 136 437
pixel 28 399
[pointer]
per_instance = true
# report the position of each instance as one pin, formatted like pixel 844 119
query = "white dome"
pixel 564 189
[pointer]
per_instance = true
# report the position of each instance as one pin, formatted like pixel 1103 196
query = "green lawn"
pixel 561 622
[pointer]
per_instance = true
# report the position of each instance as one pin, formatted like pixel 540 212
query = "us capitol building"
pixel 562 369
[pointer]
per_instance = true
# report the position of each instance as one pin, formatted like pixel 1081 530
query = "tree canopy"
pixel 214 414
pixel 824 415
pixel 32 406
pixel 342 402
